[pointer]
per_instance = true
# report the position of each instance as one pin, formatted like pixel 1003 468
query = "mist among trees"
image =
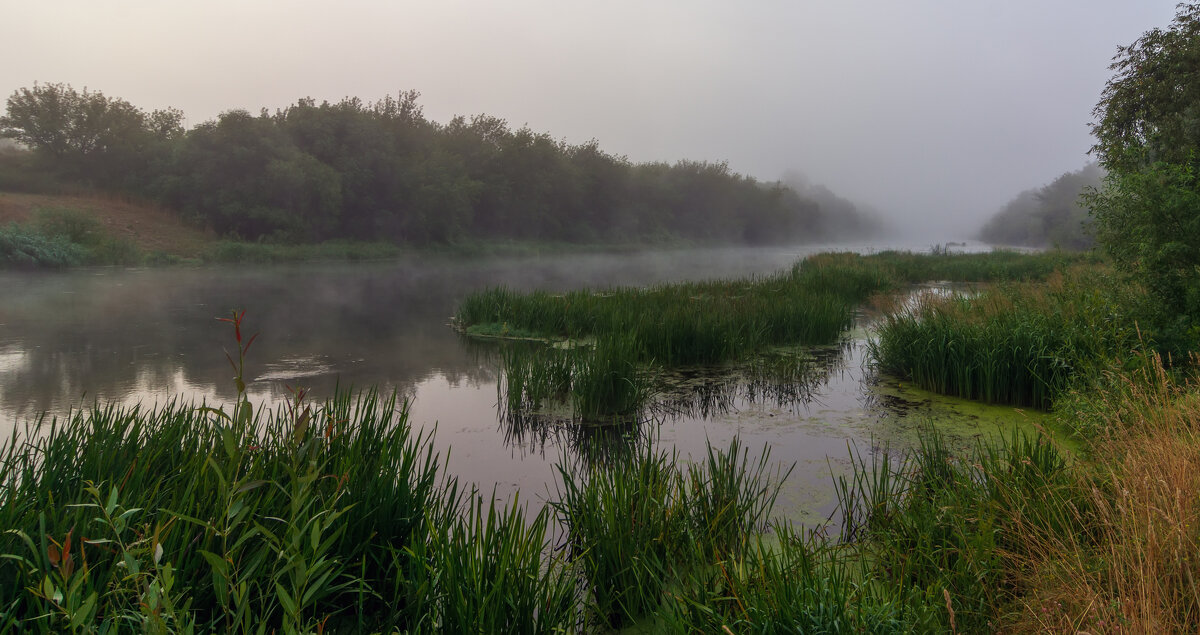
pixel 381 171
pixel 1049 216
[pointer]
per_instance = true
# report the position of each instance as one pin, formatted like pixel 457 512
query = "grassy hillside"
pixel 151 229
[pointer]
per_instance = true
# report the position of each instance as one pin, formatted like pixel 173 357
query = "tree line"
pixel 383 171
pixel 1050 216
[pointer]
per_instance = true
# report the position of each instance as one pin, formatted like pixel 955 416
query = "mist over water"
pixel 71 339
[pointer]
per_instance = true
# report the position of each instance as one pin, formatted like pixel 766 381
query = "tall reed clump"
pixel 312 517
pixel 944 536
pixel 607 381
pixel 1016 344
pixel 685 323
pixel 791 582
pixel 638 524
pixel 492 574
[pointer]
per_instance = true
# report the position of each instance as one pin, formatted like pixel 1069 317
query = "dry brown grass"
pixel 151 228
pixel 1134 564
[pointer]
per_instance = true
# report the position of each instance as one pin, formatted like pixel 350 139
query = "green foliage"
pixel 24 248
pixel 83 229
pixel 63 237
pixel 383 172
pixel 24 171
pixel 1147 133
pixel 73 225
pixel 640 525
pixel 1149 112
pixel 86 134
pixel 933 526
pixel 1014 344
pixel 1148 220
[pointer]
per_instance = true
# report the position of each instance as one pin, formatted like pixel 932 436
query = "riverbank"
pixel 55 231
pixel 939 539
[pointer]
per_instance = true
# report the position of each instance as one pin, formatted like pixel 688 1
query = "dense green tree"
pixel 1147 134
pixel 86 133
pixel 1149 220
pixel 381 171
pixel 1150 109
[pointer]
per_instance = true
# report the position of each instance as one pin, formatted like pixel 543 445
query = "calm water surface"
pixel 148 335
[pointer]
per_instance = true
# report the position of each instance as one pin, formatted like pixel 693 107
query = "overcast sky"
pixel 935 112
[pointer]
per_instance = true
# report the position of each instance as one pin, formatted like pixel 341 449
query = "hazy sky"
pixel 934 112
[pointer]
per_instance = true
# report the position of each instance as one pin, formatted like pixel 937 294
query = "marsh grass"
pixel 337 517
pixel 712 322
pixel 933 524
pixel 493 573
pixel 597 384
pixel 995 266
pixel 790 581
pixel 330 516
pixel 1130 565
pixel 639 523
pixel 1018 344
pixel 680 324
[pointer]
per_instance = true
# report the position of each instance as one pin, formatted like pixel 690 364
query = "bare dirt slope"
pixel 150 227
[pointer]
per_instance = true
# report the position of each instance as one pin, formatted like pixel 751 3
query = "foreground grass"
pixel 341 519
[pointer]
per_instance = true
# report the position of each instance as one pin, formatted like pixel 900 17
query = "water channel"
pixel 71 339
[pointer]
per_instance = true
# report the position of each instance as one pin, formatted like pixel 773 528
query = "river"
pixel 71 339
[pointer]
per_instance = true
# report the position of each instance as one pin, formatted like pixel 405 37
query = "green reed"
pixel 596 383
pixel 639 523
pixel 933 525
pixel 1017 344
pixel 791 582
pixel 307 517
pixel 337 517
pixel 710 322
pixel 685 323
pixel 492 573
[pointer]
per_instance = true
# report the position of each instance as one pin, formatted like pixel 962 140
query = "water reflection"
pixel 145 336
pixel 137 335
pixel 790 381
pixel 587 441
